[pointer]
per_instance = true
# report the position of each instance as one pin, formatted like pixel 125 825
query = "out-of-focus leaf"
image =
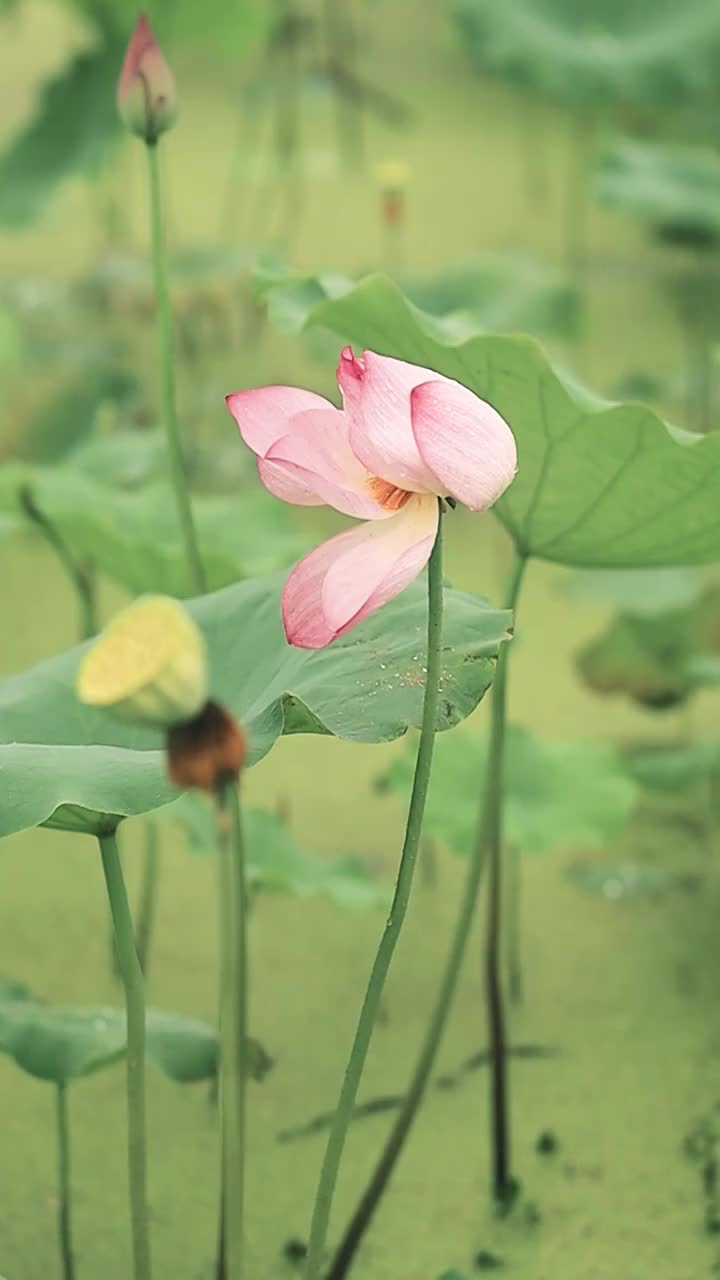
pixel 656 659
pixel 591 54
pixel 674 189
pixel 61 1044
pixel 555 793
pixel 599 485
pixel 501 294
pixel 121 458
pixel 134 537
pixel 673 768
pixel 274 861
pixel 484 295
pixel 366 687
pixel 290 296
pixel 626 880
pixel 641 592
pixel 71 134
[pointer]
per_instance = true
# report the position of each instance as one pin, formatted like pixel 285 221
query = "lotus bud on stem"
pixel 146 93
pixel 149 666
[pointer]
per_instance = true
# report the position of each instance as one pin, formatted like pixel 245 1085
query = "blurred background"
pixel 541 166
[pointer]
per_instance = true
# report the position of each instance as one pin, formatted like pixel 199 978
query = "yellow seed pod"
pixel 149 665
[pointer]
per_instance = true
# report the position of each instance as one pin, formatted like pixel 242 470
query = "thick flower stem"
pixel 132 979
pixel 170 420
pixel 233 1028
pixel 383 1170
pixel 64 1193
pixel 393 927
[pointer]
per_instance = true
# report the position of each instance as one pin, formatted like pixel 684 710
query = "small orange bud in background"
pixel 146 95
pixel 393 180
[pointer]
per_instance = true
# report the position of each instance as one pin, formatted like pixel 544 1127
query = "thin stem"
pixel 132 978
pixel 388 942
pixel 165 345
pixel 80 575
pixel 514 933
pixel 64 1188
pixel 499 1116
pixel 380 1177
pixel 234 987
pixel 148 894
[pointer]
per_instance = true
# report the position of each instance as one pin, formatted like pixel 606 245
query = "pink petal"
pixel 464 441
pixel 376 396
pixel 316 458
pixel 264 414
pixel 349 576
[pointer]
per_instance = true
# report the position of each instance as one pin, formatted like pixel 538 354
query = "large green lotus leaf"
pixel 590 54
pixel 72 132
pixel 672 188
pixel 555 793
pixel 60 1044
pixel 654 658
pixel 366 687
pixel 599 485
pixel 274 861
pixel 134 537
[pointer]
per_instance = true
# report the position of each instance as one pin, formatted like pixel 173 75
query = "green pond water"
pixel 621 992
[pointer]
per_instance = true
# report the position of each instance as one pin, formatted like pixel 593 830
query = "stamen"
pixel 390 496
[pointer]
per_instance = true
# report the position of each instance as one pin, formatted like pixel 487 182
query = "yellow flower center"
pixel 390 496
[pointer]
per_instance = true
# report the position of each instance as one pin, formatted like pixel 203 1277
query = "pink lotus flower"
pixel 146 94
pixel 405 437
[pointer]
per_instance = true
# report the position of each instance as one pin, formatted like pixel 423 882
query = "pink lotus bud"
pixel 146 96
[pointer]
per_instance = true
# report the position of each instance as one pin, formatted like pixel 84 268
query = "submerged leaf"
pixel 598 485
pixel 366 687
pixel 555 793
pixel 274 861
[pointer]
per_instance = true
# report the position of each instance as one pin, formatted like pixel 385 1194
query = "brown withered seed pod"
pixel 206 751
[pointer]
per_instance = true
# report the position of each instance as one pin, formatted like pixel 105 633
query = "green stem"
pixel 148 894
pixel 388 942
pixel 383 1170
pixel 499 1114
pixel 64 1189
pixel 132 979
pixel 170 420
pixel 514 933
pixel 234 987
pixel 80 575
